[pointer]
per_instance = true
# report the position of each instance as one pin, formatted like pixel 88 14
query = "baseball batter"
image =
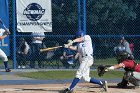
pixel 85 51
pixel 4 33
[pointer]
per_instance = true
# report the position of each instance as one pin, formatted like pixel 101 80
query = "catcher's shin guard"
pixel 134 81
pixel 133 78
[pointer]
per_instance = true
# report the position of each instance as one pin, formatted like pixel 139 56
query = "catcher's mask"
pixel 122 55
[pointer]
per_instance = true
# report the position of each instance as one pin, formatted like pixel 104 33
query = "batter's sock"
pixel 74 82
pixel 95 81
pixel 6 64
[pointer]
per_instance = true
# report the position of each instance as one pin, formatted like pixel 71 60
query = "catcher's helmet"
pixel 79 34
pixel 122 55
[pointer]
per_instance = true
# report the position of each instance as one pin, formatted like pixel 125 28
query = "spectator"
pixel 123 46
pixel 36 45
pixel 69 57
pixel 131 45
pixel 22 53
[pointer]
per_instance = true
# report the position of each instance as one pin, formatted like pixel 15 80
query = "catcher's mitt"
pixel 101 70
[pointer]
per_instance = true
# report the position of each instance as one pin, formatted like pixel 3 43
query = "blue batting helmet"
pixel 79 33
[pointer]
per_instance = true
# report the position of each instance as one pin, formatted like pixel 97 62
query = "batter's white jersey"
pixel 2 54
pixel 85 47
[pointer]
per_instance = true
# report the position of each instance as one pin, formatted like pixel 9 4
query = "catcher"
pixel 132 69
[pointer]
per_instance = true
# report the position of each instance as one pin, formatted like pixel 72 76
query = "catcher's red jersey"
pixel 130 64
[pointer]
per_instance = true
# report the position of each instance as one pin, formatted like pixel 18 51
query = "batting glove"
pixel 66 45
pixel 70 42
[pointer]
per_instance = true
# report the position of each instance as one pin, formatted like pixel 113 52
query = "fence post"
pixel 14 34
pixel 79 16
pixel 84 16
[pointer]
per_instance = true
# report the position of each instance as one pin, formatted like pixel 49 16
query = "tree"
pixel 110 16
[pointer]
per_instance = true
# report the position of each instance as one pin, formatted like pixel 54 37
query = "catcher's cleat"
pixel 105 86
pixel 123 84
pixel 66 91
pixel 7 70
pixel 120 85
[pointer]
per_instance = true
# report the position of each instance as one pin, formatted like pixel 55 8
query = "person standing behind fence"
pixel 36 45
pixel 3 34
pixel 22 53
pixel 126 45
pixel 131 45
pixel 123 46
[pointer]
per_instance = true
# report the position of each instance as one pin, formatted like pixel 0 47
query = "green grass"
pixel 107 61
pixel 61 75
pixel 10 62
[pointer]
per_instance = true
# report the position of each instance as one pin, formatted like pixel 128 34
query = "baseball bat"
pixel 7 30
pixel 3 24
pixel 50 48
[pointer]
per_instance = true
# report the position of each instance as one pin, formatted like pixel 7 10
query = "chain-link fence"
pixel 107 21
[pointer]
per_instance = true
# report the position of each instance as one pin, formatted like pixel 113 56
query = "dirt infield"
pixel 55 88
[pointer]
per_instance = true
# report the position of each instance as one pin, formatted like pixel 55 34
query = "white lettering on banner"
pixel 34 12
pixel 3 43
pixel 34 23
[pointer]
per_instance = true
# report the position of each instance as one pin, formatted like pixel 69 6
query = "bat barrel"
pixel 50 48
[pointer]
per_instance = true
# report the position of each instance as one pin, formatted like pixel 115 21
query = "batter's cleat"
pixel 7 70
pixel 66 91
pixel 105 86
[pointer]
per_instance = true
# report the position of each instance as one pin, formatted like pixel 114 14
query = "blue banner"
pixel 4 15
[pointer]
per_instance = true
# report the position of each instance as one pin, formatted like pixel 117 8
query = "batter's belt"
pixel 87 55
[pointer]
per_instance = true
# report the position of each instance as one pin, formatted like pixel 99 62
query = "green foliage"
pixel 107 61
pixel 112 10
pixel 105 14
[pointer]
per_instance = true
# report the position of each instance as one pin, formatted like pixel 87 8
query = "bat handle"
pixel 3 24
